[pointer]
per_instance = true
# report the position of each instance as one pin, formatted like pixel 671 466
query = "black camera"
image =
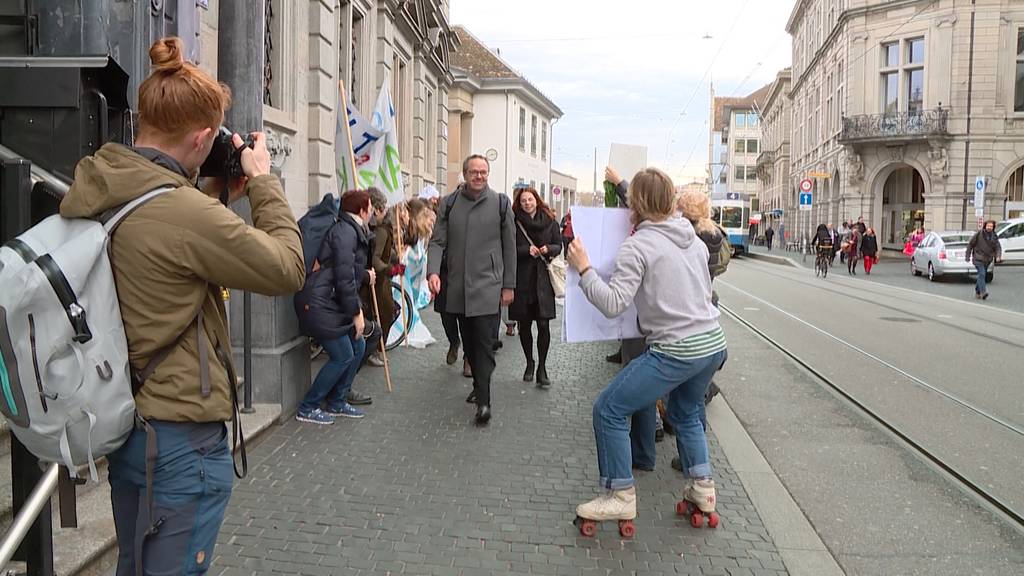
pixel 225 161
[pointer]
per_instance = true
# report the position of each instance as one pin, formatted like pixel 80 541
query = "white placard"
pixel 602 231
pixel 627 160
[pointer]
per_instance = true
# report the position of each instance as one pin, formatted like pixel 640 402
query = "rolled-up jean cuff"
pixel 699 471
pixel 617 483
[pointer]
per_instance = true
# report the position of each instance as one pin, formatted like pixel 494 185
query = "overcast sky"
pixel 634 72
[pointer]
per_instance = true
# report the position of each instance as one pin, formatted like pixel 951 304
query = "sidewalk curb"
pixel 783 260
pixel 799 545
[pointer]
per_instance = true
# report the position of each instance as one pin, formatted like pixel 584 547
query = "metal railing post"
pixel 36 506
pixel 247 353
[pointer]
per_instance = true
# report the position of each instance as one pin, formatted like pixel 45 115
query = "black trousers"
pixel 451 327
pixel 478 337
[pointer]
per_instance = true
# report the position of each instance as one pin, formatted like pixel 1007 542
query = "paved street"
pixel 1007 289
pixel 946 373
pixel 414 488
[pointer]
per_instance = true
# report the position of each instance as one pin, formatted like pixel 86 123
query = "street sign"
pixel 556 190
pixel 806 200
pixel 732 195
pixel 806 185
pixel 824 175
pixel 979 195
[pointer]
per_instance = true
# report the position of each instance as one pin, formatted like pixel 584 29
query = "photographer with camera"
pixel 330 310
pixel 172 258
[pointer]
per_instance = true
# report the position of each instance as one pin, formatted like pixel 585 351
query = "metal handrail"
pixel 55 183
pixel 35 504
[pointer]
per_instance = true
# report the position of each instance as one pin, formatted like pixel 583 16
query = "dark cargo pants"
pixel 191 488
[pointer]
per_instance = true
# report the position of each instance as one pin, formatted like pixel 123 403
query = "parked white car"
pixel 1011 237
pixel 945 253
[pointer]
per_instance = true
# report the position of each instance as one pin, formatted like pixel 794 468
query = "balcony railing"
pixel 900 126
pixel 765 159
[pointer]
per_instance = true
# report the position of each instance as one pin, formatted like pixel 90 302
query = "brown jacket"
pixel 172 256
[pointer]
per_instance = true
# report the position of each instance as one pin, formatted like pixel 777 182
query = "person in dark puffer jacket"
pixel 330 311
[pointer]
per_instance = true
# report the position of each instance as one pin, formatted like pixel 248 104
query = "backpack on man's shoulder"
pixel 449 203
pixel 724 255
pixel 314 225
pixel 65 381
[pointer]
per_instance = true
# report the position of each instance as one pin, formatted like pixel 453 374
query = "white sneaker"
pixel 702 494
pixel 612 505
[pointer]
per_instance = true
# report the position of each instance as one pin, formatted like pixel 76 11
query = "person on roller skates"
pixel 662 269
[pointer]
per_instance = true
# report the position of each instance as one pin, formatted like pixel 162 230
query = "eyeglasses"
pixel 477 173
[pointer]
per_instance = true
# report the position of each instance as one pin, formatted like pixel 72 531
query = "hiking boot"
pixel 612 505
pixel 317 416
pixel 347 410
pixel 356 399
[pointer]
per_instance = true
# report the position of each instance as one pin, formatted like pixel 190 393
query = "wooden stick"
pixel 401 279
pixel 373 287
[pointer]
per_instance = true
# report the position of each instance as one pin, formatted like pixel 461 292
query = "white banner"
pixel 602 231
pixel 375 145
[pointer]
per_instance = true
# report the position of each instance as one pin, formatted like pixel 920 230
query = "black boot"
pixel 528 375
pixel 471 399
pixel 615 358
pixel 483 415
pixel 542 377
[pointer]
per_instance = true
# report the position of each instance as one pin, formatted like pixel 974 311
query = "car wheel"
pixel 931 272
pixel 913 268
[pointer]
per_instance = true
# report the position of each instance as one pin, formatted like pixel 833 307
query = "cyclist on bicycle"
pixel 822 242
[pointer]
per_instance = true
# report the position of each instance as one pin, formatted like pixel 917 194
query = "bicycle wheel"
pixel 406 305
pixel 824 269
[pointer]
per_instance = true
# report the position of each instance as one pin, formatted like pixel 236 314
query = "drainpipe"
pixel 508 148
pixel 967 144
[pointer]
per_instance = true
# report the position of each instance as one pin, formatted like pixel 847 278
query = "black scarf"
pixel 536 226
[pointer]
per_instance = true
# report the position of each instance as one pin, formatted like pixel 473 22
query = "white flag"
pixel 375 145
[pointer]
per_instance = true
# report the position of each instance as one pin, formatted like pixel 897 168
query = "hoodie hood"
pixel 677 229
pixel 112 177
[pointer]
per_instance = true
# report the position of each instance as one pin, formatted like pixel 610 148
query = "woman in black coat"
pixel 329 310
pixel 537 241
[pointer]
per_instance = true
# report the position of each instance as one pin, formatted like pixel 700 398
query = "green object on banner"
pixel 611 199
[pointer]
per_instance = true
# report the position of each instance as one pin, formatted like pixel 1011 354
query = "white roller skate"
pixel 612 505
pixel 699 502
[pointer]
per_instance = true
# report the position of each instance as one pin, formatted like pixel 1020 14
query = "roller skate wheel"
pixel 587 527
pixel 713 520
pixel 696 519
pixel 627 529
pixel 681 508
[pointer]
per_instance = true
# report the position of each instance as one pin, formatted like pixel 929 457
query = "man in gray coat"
pixel 476 234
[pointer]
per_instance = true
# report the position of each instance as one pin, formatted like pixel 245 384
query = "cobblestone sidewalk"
pixel 415 488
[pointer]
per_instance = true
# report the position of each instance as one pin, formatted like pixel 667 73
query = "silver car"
pixel 944 253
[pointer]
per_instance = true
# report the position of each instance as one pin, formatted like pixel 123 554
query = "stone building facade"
pixel 773 190
pixel 904 104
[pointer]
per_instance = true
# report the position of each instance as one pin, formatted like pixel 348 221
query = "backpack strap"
pixel 112 218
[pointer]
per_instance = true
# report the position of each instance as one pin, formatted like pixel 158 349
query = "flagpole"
pixel 373 287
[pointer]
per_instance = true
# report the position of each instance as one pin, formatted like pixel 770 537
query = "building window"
pixel 741 120
pixel 522 129
pixel 752 146
pixel 741 146
pixel 543 188
pixel 268 54
pixel 430 117
pixel 751 173
pixel 401 100
pixel 1015 187
pixel 1018 103
pixel 741 173
pixel 544 142
pixel 752 120
pixel 350 63
pixel 533 135
pixel 908 95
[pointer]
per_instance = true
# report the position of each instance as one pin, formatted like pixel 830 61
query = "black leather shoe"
pixel 471 399
pixel 453 354
pixel 528 375
pixel 356 399
pixel 483 415
pixel 542 377
pixel 614 358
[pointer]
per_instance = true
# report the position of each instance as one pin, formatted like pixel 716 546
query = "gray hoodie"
pixel 663 269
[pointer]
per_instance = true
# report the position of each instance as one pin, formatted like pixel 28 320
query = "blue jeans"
pixel 982 268
pixel 191 488
pixel 334 380
pixel 635 389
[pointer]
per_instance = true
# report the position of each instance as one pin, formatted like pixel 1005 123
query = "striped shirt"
pixel 694 347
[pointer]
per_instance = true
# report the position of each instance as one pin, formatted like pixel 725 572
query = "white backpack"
pixel 65 381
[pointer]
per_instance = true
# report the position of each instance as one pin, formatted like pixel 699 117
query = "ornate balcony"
pixel 765 159
pixel 900 127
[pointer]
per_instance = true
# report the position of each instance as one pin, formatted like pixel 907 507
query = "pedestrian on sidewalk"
pixel 833 241
pixel 172 257
pixel 385 265
pixel 330 311
pixel 662 269
pixel 869 249
pixel 769 233
pixel 449 321
pixel 418 226
pixel 984 249
pixel 537 243
pixel 853 248
pixel 476 235
pixel 844 242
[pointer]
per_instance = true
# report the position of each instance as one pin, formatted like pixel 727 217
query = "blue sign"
pixel 805 199
pixel 732 195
